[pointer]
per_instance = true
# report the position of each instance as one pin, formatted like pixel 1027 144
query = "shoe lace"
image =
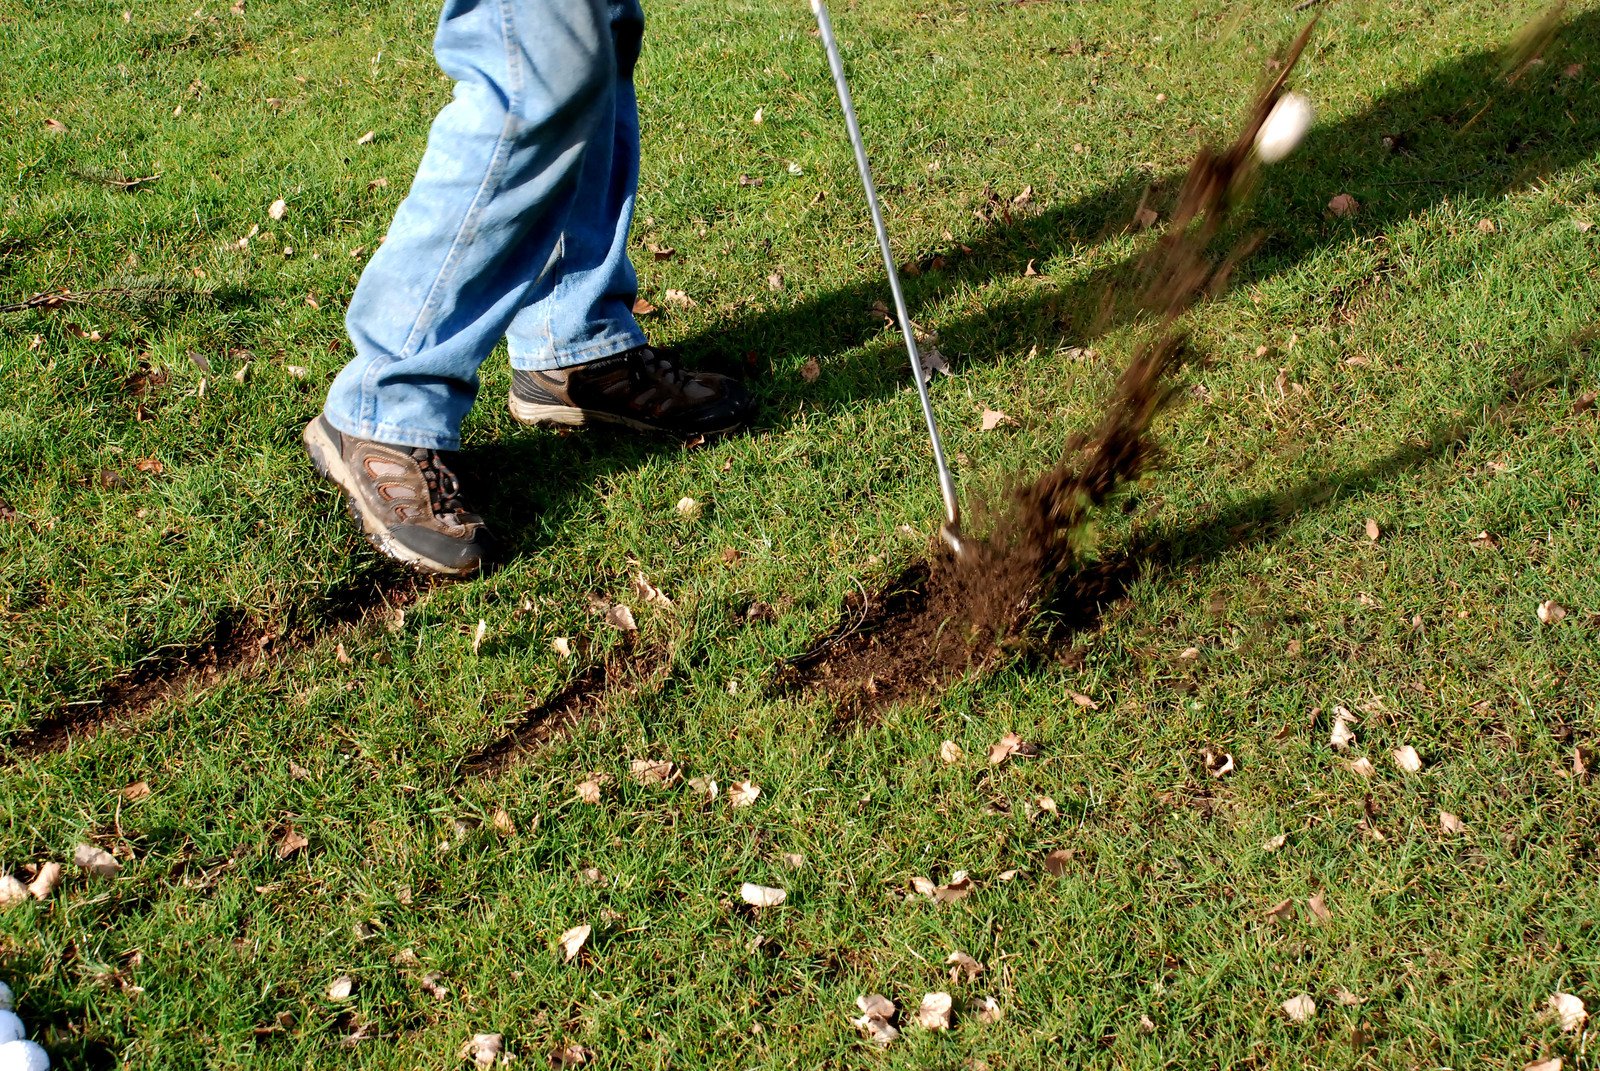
pixel 444 490
pixel 650 365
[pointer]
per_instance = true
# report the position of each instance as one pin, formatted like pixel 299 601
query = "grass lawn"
pixel 310 766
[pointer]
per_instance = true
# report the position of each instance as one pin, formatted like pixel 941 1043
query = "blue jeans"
pixel 516 224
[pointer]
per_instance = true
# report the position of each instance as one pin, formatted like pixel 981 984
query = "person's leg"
pixel 577 353
pixel 487 217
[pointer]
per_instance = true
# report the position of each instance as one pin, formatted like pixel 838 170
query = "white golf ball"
pixel 8 1000
pixel 23 1056
pixel 11 1028
pixel 1283 128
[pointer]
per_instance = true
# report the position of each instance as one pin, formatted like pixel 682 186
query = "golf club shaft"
pixel 836 63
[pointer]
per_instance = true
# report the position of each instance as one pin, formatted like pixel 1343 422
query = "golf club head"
pixel 950 532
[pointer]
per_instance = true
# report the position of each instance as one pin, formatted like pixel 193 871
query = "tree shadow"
pixel 1463 131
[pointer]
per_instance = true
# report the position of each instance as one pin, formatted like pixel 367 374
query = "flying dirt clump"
pixel 963 611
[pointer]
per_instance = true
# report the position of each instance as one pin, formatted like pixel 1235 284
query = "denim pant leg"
pixel 583 310
pixel 483 224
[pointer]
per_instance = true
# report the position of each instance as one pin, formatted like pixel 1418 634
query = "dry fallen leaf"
pixel 963 965
pixel 1301 1008
pixel 1550 612
pixel 1344 205
pixel 368 138
pixel 12 891
pixel 984 1009
pixel 341 987
pixel 1346 998
pixel 761 895
pixel 993 418
pixel 1342 735
pixel 620 617
pixel 1450 824
pixel 1055 864
pixel 641 307
pixel 704 786
pixel 654 772
pixel 811 370
pixel 572 942
pixel 678 299
pixel 1009 745
pixel 1407 759
pixel 279 209
pixel 1272 844
pixel 562 646
pixel 501 820
pixel 95 860
pixel 1569 1011
pixel 433 984
pixel 934 1014
pixel 1582 760
pixel 876 1013
pixel 1486 226
pixel 932 361
pixel 478 634
pixel 1282 911
pixel 950 752
pixel 649 593
pixel 1373 531
pixel 959 887
pixel 481 1049
pixel 45 881
pixel 1218 764
pixel 793 860
pixel 138 790
pixel 1319 907
pixel 1045 804
pixel 290 842
pixel 1362 767
pixel 688 507
pixel 1543 1065
pixel 743 793
pixel 568 1056
pixel 589 791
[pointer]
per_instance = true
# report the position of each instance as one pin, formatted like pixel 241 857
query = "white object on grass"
pixel 1283 128
pixel 8 1000
pixel 11 1028
pixel 23 1056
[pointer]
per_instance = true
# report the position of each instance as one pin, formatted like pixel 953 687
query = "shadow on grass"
pixel 1460 132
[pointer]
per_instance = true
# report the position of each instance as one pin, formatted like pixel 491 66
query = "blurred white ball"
pixel 11 1028
pixel 1285 125
pixel 23 1056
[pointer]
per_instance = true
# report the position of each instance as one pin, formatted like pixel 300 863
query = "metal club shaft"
pixel 836 63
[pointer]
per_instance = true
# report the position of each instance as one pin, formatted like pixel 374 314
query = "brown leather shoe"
pixel 642 388
pixel 406 500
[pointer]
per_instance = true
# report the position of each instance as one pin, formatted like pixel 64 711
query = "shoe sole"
pixel 325 458
pixel 570 416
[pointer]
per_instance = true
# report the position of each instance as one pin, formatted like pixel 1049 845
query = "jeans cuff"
pixel 611 343
pixel 394 434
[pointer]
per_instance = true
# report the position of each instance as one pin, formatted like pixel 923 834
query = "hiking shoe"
pixel 405 498
pixel 642 388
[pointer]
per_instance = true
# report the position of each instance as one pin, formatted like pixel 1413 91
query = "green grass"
pixel 1429 373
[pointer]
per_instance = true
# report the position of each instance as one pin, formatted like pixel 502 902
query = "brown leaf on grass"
pixel 688 507
pixel 368 138
pixel 1045 804
pixel 1344 205
pixel 341 987
pixel 1056 863
pixel 775 281
pixel 573 940
pixel 433 984
pixel 811 370
pixel 569 1056
pixel 12 891
pixel 661 252
pixel 55 126
pixel 1010 745
pixel 1582 761
pixel 1450 825
pixel 678 299
pixel 1553 1064
pixel 278 209
pixel 658 772
pixel 641 307
pixel 1585 402
pixel 1362 767
pixel 877 1011
pixel 589 788
pixel 1486 226
pixel 1551 612
pixel 501 820
pixel 45 881
pixel 1407 759
pixel 704 786
pixel 1319 907
pixel 934 1013
pixel 562 646
pixel 150 465
pixel 950 752
pixel 1218 763
pixel 993 418
pixel 481 1049
pixel 743 793
pixel 96 861
pixel 1272 844
pixel 1346 998
pixel 761 895
pixel 620 617
pixel 1342 736
pixel 1282 911
pixel 793 860
pixel 138 790
pixel 290 842
pixel 1084 701
pixel 1300 1009
pixel 1145 218
pixel 959 887
pixel 1373 531
pixel 649 593
pixel 931 359
pixel 1569 1011
pixel 983 1009
pixel 963 966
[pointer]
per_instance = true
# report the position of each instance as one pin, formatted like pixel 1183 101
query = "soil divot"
pixel 957 615
pixel 577 701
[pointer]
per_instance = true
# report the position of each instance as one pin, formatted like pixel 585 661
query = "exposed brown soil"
pixel 957 615
pixel 580 699
pixel 237 644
